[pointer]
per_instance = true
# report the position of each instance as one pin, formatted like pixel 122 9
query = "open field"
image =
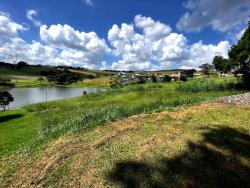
pixel 48 144
pixel 28 77
pixel 102 82
pixel 204 145
pixel 31 81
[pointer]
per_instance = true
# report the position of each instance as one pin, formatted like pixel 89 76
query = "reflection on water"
pixel 26 96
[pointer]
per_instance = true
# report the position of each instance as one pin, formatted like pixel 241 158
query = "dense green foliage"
pixel 240 55
pixel 167 78
pixel 61 76
pixel 21 69
pixel 221 64
pixel 153 78
pixel 188 73
pixel 205 68
pixel 5 99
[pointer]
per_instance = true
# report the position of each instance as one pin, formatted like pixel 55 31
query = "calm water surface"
pixel 26 96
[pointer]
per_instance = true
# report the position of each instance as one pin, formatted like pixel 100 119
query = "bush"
pixel 154 79
pixel 183 77
pixel 60 76
pixel 167 78
pixel 141 80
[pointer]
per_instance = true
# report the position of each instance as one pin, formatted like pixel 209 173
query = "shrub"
pixel 141 80
pixel 167 78
pixel 154 79
pixel 183 77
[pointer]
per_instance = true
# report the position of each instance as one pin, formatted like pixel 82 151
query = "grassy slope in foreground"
pixel 201 146
pixel 45 122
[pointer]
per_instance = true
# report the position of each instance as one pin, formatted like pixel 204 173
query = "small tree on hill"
pixel 21 65
pixel 5 99
pixel 206 68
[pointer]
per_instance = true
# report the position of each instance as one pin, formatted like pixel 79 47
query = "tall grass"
pixel 58 118
pixel 99 108
pixel 213 84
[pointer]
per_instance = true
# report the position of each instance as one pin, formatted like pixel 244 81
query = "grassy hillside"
pixel 49 144
pixel 28 76
pixel 201 146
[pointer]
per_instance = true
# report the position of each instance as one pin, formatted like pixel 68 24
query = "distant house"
pixel 224 75
pixel 175 77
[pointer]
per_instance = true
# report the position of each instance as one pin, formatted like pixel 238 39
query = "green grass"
pixel 18 128
pixel 48 121
pixel 211 84
pixel 203 145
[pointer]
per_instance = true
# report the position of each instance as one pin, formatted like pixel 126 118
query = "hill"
pixel 182 147
pixel 26 75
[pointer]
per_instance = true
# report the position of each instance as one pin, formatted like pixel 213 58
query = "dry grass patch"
pixel 150 150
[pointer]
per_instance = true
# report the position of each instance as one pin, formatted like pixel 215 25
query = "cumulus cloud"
pixel 89 2
pixel 59 45
pixel 152 29
pixel 75 46
pixel 221 15
pixel 31 14
pixel 8 28
pixel 146 44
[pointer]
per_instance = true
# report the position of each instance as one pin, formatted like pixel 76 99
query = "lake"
pixel 26 96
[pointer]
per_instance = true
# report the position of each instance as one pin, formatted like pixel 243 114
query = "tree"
pixel 240 55
pixel 189 73
pixel 205 68
pixel 21 65
pixel 154 79
pixel 5 99
pixel 141 80
pixel 222 65
pixel 167 78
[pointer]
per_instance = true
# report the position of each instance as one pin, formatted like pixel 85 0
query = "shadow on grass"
pixel 10 117
pixel 215 162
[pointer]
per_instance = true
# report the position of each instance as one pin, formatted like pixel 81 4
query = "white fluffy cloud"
pixel 145 44
pixel 154 47
pixel 31 14
pixel 89 2
pixel 8 29
pixel 222 15
pixel 59 45
pixel 76 47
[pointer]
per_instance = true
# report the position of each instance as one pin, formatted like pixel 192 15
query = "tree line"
pixel 238 59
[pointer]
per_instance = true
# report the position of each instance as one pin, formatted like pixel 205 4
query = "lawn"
pixel 203 145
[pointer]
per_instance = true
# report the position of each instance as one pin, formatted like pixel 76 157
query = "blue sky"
pixel 198 26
